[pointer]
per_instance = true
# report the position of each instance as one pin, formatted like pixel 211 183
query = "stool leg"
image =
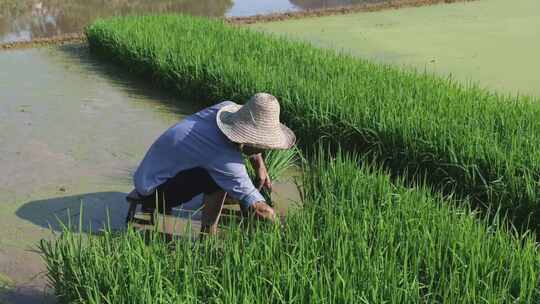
pixel 153 216
pixel 131 212
pixel 213 204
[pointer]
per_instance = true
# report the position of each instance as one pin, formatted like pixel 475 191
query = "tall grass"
pixel 359 239
pixel 464 139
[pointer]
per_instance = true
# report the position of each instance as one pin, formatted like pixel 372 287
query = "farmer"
pixel 203 154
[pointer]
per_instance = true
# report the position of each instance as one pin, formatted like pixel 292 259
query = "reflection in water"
pixel 27 19
pixel 314 4
pixel 260 7
pixel 22 20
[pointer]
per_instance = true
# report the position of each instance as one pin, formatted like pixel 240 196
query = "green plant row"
pixel 359 239
pixel 458 138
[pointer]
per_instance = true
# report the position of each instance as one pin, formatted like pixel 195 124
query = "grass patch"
pixel 359 239
pixel 464 139
pixel 5 284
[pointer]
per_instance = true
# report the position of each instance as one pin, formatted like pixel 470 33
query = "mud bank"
pixel 57 40
pixel 343 10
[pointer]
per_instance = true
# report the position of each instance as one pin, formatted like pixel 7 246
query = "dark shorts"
pixel 181 189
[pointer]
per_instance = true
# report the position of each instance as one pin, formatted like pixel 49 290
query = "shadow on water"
pixel 24 295
pixel 97 209
pixel 100 210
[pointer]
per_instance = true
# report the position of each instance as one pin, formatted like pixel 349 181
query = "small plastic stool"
pixel 134 199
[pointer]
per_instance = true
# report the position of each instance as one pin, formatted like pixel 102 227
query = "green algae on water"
pixel 494 43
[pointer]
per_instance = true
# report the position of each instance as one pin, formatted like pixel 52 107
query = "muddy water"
pixel 27 19
pixel 72 130
pixel 495 43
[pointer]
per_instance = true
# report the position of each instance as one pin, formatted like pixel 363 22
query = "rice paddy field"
pixel 460 139
pixel 387 211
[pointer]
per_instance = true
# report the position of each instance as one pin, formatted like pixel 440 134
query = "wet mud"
pixel 40 42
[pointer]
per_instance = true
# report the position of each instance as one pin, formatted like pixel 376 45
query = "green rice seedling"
pixel 277 163
pixel 464 139
pixel 5 283
pixel 359 239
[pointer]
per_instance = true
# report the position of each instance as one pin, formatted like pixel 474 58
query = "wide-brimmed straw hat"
pixel 256 123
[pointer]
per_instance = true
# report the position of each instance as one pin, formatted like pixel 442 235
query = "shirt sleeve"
pixel 232 177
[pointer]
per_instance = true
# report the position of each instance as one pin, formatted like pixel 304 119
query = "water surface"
pixel 22 20
pixel 72 130
pixel 494 43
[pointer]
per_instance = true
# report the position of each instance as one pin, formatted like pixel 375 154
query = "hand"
pixel 262 211
pixel 262 174
pixel 264 179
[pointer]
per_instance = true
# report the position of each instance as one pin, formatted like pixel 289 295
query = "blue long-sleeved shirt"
pixel 197 141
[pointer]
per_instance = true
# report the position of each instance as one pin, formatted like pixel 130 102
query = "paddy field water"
pixel 73 131
pixel 22 20
pixel 491 42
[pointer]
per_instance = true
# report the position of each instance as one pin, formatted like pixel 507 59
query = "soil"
pixel 57 40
